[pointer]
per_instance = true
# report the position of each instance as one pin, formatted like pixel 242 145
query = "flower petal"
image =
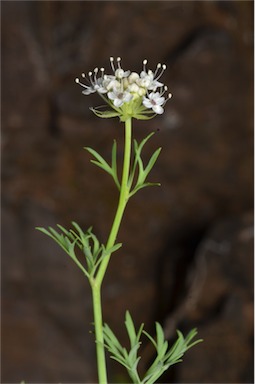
pixel 158 109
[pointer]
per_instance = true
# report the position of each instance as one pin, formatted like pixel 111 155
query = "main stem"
pixel 97 281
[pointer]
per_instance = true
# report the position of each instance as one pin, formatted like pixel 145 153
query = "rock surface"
pixel 187 247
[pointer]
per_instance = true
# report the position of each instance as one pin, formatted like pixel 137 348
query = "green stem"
pixel 123 199
pixel 98 322
pixel 97 281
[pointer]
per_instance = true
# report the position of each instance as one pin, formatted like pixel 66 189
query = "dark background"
pixel 187 258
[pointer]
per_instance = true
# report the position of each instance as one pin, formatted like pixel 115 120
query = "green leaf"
pixel 165 356
pixel 114 164
pixel 152 161
pixel 104 253
pixel 144 185
pixel 120 354
pixel 139 166
pixel 55 236
pixel 143 117
pixel 111 340
pixel 100 160
pixel 101 163
pixel 130 329
pixel 105 114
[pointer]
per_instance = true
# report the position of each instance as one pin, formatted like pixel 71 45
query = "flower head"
pixel 129 94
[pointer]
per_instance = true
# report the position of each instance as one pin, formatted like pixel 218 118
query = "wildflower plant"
pixel 127 95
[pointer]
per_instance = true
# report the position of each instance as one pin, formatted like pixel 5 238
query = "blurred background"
pixel 187 255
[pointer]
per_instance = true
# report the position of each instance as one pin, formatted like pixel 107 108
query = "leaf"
pixel 101 163
pixel 68 240
pixel 100 160
pixel 152 161
pixel 105 114
pixel 120 354
pixel 111 340
pixel 55 236
pixel 104 253
pixel 138 165
pixel 143 117
pixel 114 164
pixel 136 189
pixel 130 329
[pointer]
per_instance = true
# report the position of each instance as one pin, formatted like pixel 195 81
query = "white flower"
pixel 97 83
pixel 128 94
pixel 149 79
pixel 119 97
pixel 110 83
pixel 120 73
pixel 133 77
pixel 155 100
pixel 88 89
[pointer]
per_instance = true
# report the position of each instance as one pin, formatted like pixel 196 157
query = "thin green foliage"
pixel 165 355
pixel 139 168
pixel 87 242
pixel 92 257
pixel 101 163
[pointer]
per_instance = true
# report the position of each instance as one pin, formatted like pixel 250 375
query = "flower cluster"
pixel 127 93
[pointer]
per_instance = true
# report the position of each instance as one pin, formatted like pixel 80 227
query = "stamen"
pixel 161 72
pixel 95 75
pixel 84 77
pixel 77 80
pixel 118 62
pixel 90 77
pixel 112 63
pixel 144 64
pixel 157 69
pixel 170 95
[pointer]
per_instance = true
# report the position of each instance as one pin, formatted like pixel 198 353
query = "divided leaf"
pixel 102 163
pixel 165 356
pixel 87 242
pixel 139 167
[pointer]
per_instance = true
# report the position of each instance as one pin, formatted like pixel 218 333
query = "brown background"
pixel 187 258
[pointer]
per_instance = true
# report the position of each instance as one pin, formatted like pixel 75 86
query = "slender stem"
pixel 123 199
pixel 97 281
pixel 98 322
